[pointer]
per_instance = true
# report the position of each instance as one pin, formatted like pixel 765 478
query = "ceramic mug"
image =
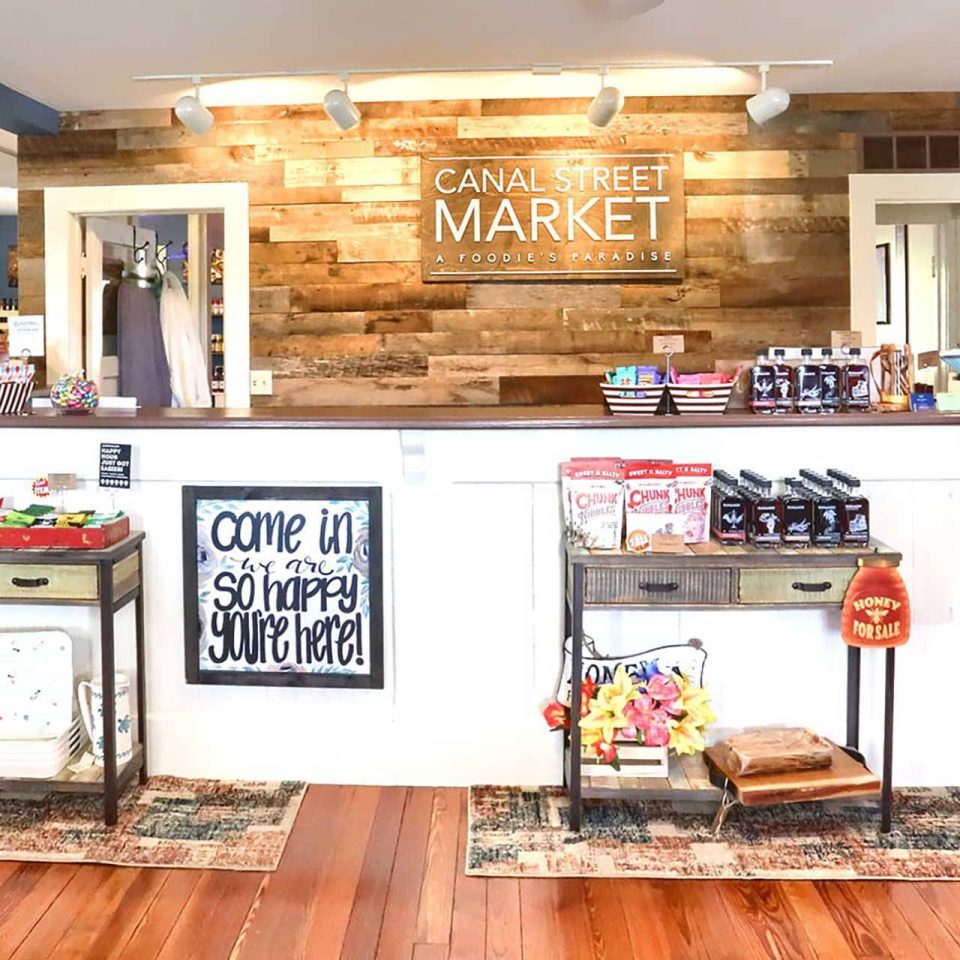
pixel 92 713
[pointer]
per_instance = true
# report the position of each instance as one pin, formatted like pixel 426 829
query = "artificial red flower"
pixel 556 715
pixel 588 691
pixel 607 751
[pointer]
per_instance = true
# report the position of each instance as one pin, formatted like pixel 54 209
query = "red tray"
pixel 66 538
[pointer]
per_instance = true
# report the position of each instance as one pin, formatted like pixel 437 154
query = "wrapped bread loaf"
pixel 775 750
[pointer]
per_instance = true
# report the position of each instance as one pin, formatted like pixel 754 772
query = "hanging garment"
pixel 144 372
pixel 185 353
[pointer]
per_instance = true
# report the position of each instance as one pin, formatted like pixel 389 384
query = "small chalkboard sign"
pixel 115 465
pixel 283 586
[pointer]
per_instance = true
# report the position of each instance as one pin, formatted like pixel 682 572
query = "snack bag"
pixel 647 499
pixel 592 495
pixel 690 499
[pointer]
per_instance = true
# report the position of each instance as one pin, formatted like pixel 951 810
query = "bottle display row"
pixel 809 510
pixel 8 305
pixel 822 385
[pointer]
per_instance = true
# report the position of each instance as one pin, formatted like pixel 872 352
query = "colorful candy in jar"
pixel 75 394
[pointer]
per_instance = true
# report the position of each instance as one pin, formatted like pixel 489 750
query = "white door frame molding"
pixel 866 191
pixel 63 208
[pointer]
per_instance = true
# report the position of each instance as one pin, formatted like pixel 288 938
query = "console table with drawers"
pixel 717 576
pixel 107 579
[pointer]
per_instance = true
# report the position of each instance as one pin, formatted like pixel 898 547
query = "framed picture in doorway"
pixel 883 283
pixel 283 586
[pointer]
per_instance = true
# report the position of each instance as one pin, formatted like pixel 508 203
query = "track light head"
pixel 605 105
pixel 340 108
pixel 192 113
pixel 770 102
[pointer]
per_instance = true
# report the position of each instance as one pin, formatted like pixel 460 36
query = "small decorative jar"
pixel 74 393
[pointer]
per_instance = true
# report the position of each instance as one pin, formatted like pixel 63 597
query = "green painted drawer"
pixel 800 586
pixel 27 581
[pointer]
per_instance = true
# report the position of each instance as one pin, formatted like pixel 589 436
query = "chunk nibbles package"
pixel 648 488
pixel 592 494
pixel 690 499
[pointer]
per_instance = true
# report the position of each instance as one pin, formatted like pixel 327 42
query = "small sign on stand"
pixel 115 465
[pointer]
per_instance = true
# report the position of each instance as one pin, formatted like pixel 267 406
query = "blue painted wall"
pixel 8 238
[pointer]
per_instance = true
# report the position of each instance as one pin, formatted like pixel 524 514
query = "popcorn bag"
pixel 592 495
pixel 690 498
pixel 648 487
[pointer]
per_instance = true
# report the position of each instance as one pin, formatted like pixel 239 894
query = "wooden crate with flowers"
pixel 629 726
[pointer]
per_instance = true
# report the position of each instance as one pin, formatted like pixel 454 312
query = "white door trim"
pixel 63 206
pixel 866 191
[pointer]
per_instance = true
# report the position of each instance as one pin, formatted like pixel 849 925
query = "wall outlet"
pixel 261 383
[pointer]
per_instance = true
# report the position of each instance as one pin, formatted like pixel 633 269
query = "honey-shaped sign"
pixel 876 607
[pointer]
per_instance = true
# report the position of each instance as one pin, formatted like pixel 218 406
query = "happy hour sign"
pixel 283 586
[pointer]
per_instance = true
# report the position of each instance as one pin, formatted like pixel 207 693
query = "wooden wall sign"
pixel 553 217
pixel 283 586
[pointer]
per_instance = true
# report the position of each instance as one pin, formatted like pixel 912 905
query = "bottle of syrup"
pixel 856 383
pixel 765 519
pixel 806 383
pixel 762 397
pixel 729 517
pixel 782 382
pixel 855 516
pixel 830 389
pixel 827 510
pixel 796 507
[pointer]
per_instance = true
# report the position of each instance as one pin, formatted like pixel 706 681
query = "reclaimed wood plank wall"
pixel 338 310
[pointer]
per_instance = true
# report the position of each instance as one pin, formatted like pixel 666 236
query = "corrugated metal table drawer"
pixel 658 585
pixel 797 585
pixel 41 581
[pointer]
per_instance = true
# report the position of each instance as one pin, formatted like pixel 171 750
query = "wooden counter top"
pixel 448 418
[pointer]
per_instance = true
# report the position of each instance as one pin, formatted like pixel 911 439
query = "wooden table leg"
pixel 108 670
pixel 141 675
pixel 576 801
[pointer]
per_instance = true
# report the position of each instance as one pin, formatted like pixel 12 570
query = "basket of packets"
pixel 16 386
pixel 701 392
pixel 633 390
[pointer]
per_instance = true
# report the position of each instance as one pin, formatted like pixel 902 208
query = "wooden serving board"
pixel 846 777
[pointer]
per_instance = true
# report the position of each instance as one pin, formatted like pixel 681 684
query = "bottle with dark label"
pixel 829 382
pixel 827 510
pixel 729 516
pixel 856 383
pixel 782 382
pixel 765 522
pixel 762 399
pixel 806 383
pixel 855 516
pixel 796 507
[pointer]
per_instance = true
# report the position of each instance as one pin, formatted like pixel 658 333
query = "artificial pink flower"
pixel 656 735
pixel 638 710
pixel 662 688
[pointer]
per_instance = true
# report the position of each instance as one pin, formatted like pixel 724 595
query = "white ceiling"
pixel 82 55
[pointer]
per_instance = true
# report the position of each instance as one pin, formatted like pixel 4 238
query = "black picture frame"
pixel 192 496
pixel 883 284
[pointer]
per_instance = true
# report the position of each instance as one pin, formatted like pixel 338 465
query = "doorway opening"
pixel 100 239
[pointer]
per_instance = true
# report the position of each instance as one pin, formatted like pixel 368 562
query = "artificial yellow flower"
pixel 686 738
pixel 694 701
pixel 606 709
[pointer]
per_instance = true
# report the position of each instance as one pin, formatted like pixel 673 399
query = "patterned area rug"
pixel 523 832
pixel 208 824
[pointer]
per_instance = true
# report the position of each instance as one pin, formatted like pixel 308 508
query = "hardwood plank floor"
pixel 377 872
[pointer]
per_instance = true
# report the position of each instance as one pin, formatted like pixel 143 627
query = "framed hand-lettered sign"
pixel 283 586
pixel 605 216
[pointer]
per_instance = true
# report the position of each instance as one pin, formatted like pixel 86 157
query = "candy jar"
pixel 75 394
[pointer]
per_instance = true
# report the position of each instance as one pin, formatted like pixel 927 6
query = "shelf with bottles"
pixel 812 384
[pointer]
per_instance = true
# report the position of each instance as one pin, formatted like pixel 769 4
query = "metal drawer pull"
pixel 39 582
pixel 659 587
pixel 812 587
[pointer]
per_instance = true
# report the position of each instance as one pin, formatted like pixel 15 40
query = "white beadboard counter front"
pixel 473 580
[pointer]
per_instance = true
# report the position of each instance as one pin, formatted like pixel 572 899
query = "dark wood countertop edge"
pixel 593 417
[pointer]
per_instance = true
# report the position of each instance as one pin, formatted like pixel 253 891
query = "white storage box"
pixel 40 759
pixel 36 684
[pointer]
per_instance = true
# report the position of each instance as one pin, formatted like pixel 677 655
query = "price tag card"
pixel 25 335
pixel 668 344
pixel 115 465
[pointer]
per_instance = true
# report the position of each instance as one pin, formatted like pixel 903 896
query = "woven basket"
pixel 15 397
pixel 701 397
pixel 630 401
